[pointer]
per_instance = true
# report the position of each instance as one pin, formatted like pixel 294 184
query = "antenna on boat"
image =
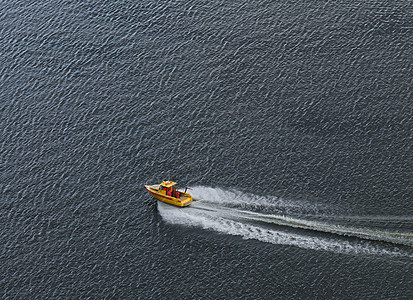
pixel 187 188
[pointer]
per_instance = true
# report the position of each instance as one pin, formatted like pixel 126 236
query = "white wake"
pixel 232 212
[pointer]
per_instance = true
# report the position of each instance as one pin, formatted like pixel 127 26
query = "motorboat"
pixel 167 193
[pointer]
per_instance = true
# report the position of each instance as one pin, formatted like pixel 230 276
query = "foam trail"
pixel 240 199
pixel 219 211
pixel 366 233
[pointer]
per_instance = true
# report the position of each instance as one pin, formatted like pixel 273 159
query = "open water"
pixel 290 120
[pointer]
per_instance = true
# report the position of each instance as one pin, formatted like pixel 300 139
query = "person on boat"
pixel 169 192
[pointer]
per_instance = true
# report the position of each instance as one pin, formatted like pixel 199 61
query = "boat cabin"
pixel 169 188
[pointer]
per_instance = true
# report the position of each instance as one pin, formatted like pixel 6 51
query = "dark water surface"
pixel 291 121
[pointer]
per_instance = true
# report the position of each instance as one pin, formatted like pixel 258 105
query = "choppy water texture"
pixel 291 121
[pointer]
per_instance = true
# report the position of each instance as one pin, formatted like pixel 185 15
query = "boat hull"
pixel 184 200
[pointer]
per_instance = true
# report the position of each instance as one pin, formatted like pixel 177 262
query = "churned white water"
pixel 224 211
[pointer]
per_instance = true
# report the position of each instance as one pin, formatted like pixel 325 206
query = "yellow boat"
pixel 167 193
